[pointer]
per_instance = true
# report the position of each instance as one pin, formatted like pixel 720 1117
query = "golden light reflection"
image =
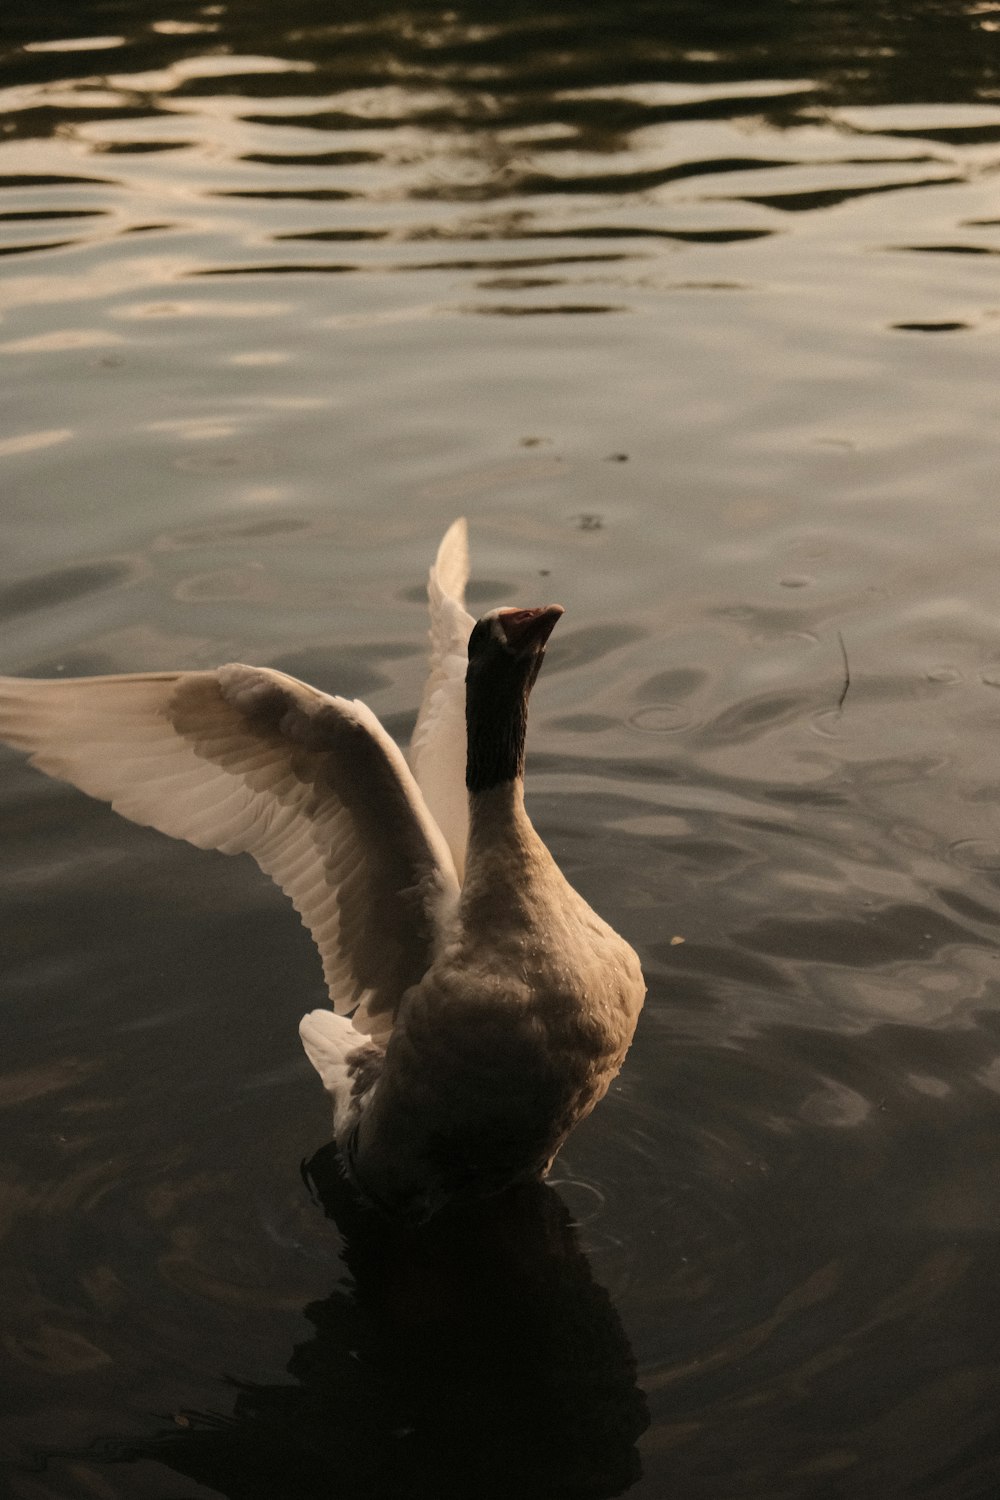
pixel 183 28
pixel 195 429
pixel 214 65
pixel 31 442
pixel 77 44
pixel 656 93
pixel 254 358
pixel 110 278
pixel 266 494
pixel 206 309
pixel 60 340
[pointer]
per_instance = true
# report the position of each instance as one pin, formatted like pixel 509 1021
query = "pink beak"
pixel 527 630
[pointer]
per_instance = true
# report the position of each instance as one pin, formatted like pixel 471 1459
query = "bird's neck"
pixel 496 725
pixel 504 855
pixel 497 818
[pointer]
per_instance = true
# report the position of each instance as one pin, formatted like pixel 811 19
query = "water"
pixel 693 311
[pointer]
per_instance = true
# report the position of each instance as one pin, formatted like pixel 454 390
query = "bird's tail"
pixel 347 1061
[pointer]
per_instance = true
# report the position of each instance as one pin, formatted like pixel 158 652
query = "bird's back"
pixel 511 1038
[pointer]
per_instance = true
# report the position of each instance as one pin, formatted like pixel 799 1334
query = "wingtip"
pixel 451 565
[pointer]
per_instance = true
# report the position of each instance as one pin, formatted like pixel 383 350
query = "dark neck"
pixel 496 721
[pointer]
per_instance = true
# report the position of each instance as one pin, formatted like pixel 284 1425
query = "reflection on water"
pixel 692 310
pixel 475 1357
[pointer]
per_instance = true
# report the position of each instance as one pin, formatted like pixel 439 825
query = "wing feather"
pixel 247 760
pixel 437 750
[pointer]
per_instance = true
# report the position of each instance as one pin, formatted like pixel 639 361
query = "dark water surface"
pixel 693 310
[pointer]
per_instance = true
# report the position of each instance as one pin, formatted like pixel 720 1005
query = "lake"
pixel 693 311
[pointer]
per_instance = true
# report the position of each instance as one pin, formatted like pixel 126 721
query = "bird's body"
pixel 491 1012
pixel 510 1038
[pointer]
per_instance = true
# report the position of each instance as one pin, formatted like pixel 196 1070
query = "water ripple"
pixel 789 1199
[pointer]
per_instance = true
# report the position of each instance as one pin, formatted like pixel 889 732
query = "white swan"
pixel 491 1006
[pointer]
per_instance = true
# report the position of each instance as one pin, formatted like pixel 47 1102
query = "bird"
pixel 479 1008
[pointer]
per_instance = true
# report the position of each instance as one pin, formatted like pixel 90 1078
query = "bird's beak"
pixel 527 630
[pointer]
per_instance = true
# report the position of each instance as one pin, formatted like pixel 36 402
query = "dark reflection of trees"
pixel 501 67
pixel 474 1357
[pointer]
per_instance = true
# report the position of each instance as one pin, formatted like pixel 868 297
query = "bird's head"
pixel 506 648
pixel 508 644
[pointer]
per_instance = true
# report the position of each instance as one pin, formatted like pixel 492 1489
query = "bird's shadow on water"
pixel 474 1356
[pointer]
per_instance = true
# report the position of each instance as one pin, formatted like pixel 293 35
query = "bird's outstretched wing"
pixel 246 759
pixel 437 750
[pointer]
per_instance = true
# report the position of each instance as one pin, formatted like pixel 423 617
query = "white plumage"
pixel 491 1007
